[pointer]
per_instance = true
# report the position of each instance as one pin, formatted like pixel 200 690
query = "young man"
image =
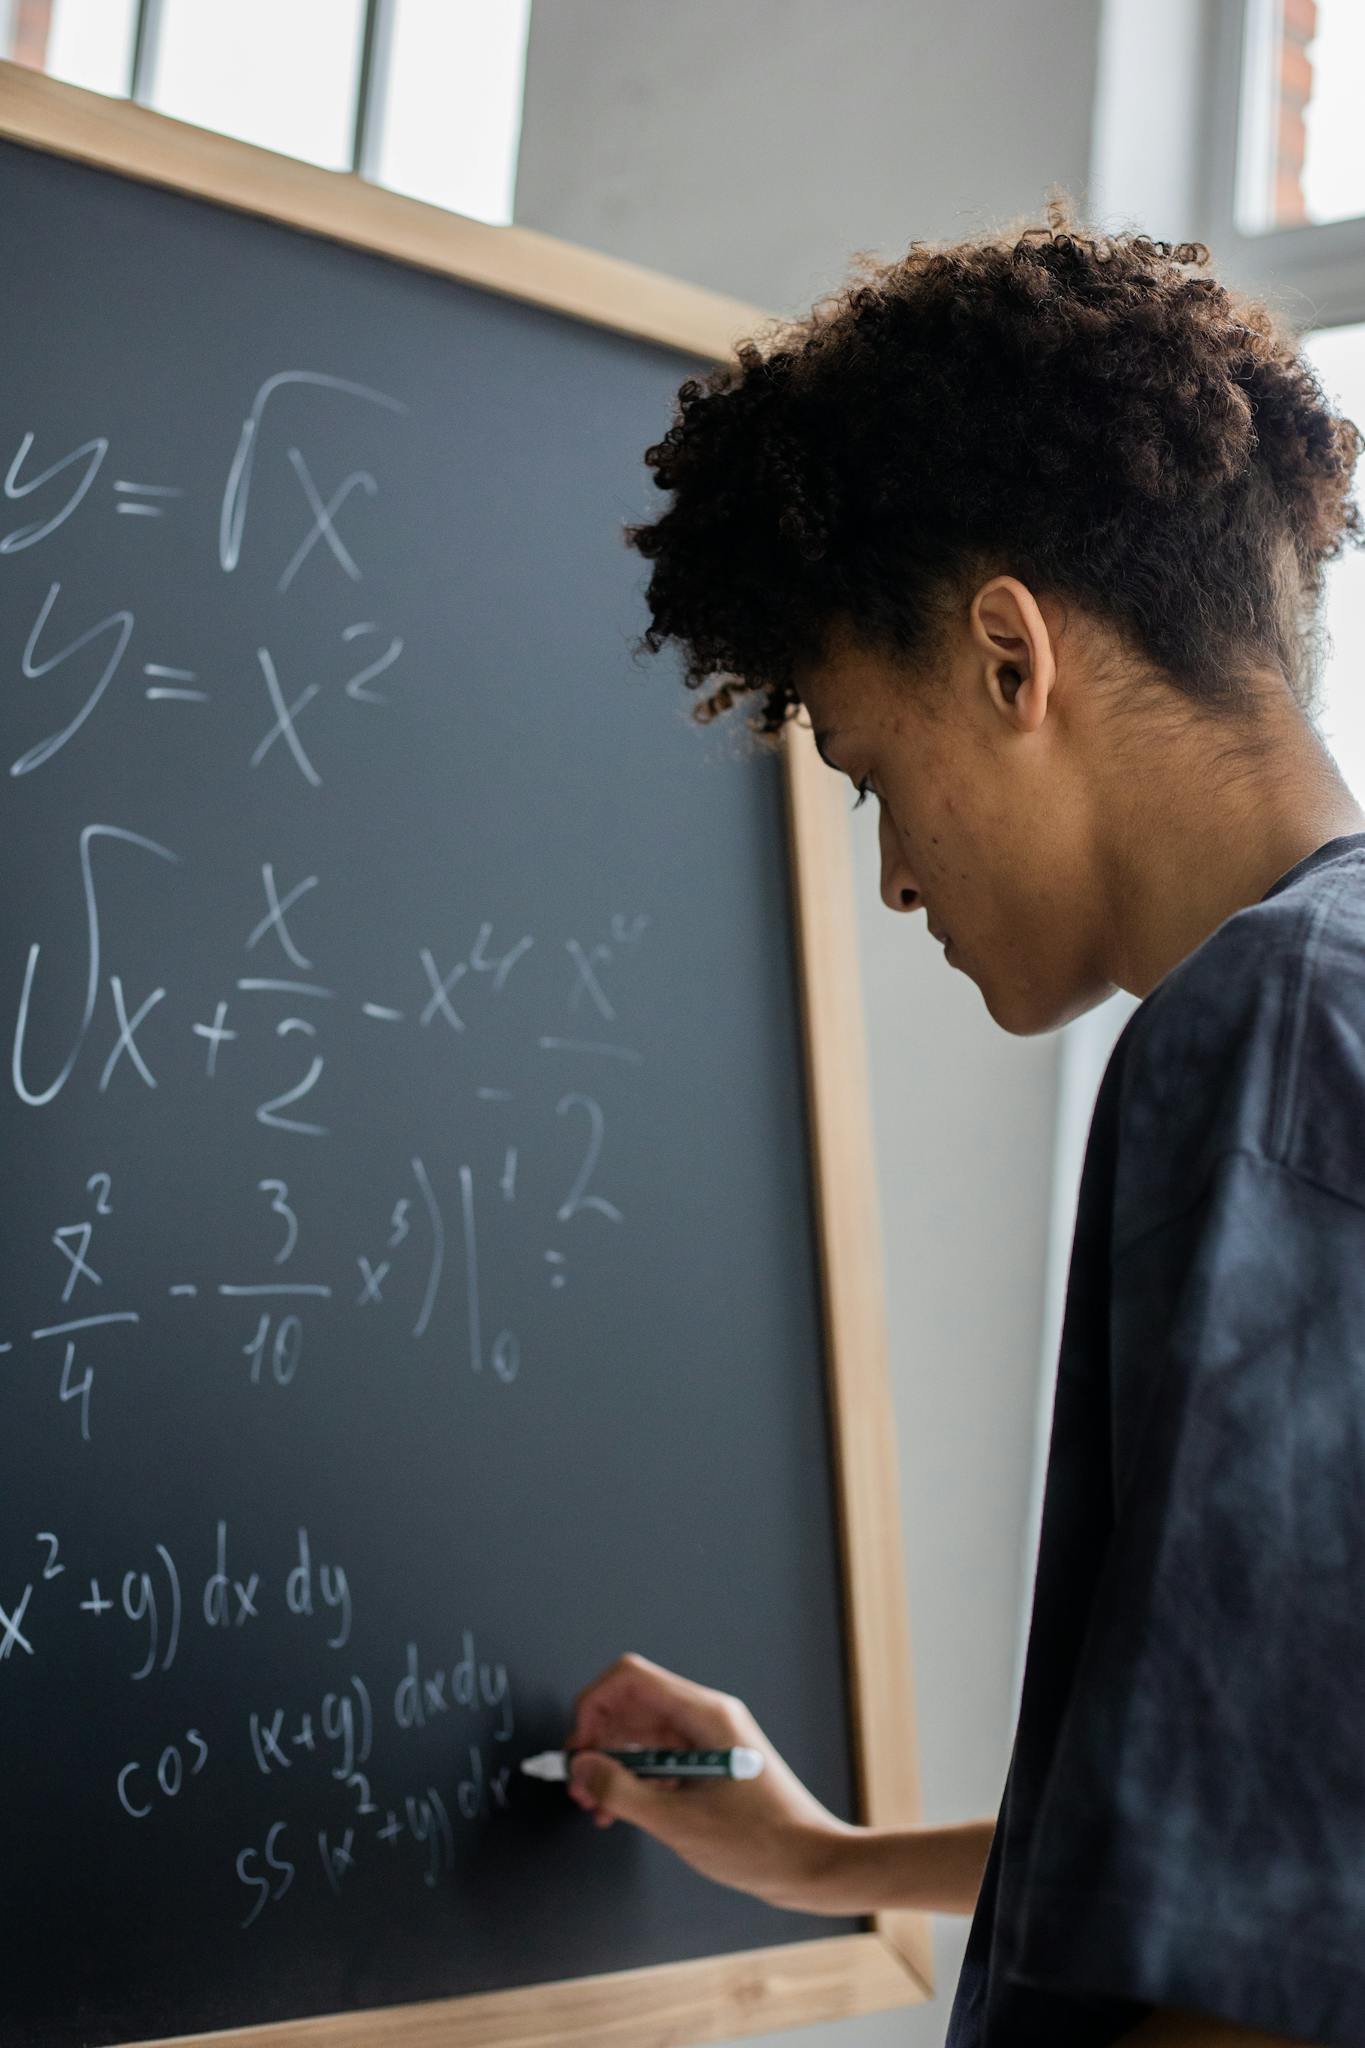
pixel 1033 529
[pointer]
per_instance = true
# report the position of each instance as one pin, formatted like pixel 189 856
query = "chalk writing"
pixel 294 1174
pixel 90 453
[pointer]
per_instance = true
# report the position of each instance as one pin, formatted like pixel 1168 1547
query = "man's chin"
pixel 1028 1013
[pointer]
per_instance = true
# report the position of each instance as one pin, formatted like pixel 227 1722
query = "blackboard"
pixel 411 1292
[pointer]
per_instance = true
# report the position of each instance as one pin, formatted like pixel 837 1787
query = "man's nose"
pixel 898 888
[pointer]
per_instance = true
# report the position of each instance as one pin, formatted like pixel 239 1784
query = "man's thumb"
pixel 609 1783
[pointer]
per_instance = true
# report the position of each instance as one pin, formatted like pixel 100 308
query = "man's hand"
pixel 766 1835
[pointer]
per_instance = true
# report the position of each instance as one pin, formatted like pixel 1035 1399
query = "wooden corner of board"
pixel 909 1937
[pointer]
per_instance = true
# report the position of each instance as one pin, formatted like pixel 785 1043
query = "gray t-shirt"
pixel 1183 1821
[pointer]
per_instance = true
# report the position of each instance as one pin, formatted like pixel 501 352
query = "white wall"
pixel 752 148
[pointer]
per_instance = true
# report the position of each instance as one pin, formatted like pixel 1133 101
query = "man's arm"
pixel 1171 2026
pixel 939 1870
pixel 868 1870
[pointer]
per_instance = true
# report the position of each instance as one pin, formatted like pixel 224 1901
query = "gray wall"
pixel 753 148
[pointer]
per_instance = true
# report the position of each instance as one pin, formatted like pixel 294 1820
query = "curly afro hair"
pixel 1068 408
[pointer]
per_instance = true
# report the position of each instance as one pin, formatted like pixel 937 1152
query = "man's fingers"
pixel 637 1704
pixel 636 1701
pixel 609 1791
pixel 610 1786
pixel 632 1682
pixel 622 1731
pixel 627 1670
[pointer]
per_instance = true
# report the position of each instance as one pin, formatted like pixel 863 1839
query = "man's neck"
pixel 1197 852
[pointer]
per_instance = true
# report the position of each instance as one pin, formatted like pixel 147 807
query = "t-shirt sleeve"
pixel 1200 1838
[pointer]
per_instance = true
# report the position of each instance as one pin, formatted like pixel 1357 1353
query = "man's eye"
pixel 864 789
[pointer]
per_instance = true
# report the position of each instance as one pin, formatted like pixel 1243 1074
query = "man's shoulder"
pixel 1255 1041
pixel 1304 941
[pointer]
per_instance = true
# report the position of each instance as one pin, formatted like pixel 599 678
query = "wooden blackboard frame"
pixel 796 1983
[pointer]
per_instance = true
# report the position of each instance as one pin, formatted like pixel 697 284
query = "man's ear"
pixel 1013 636
pixel 1019 695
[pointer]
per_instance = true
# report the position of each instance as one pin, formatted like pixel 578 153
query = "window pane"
pixel 90 43
pixel 1334 174
pixel 450 121
pixel 281 73
pixel 1302 162
pixel 1338 356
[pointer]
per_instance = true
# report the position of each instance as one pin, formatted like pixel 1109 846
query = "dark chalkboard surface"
pixel 410 1294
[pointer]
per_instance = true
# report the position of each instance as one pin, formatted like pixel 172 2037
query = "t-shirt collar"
pixel 1331 849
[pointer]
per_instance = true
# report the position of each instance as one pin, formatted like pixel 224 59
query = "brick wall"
pixel 1294 79
pixel 30 21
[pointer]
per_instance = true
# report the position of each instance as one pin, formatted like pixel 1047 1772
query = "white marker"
pixel 553 1764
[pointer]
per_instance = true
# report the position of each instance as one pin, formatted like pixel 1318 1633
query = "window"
pixel 1333 177
pixel 1299 158
pixel 451 102
pixel 1281 203
pixel 1338 356
pixel 421 95
pixel 86 42
pixel 281 73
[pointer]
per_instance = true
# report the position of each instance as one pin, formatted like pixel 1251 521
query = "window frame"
pixel 1314 273
pixel 376 31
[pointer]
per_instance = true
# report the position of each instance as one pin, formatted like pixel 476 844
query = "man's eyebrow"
pixel 821 738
